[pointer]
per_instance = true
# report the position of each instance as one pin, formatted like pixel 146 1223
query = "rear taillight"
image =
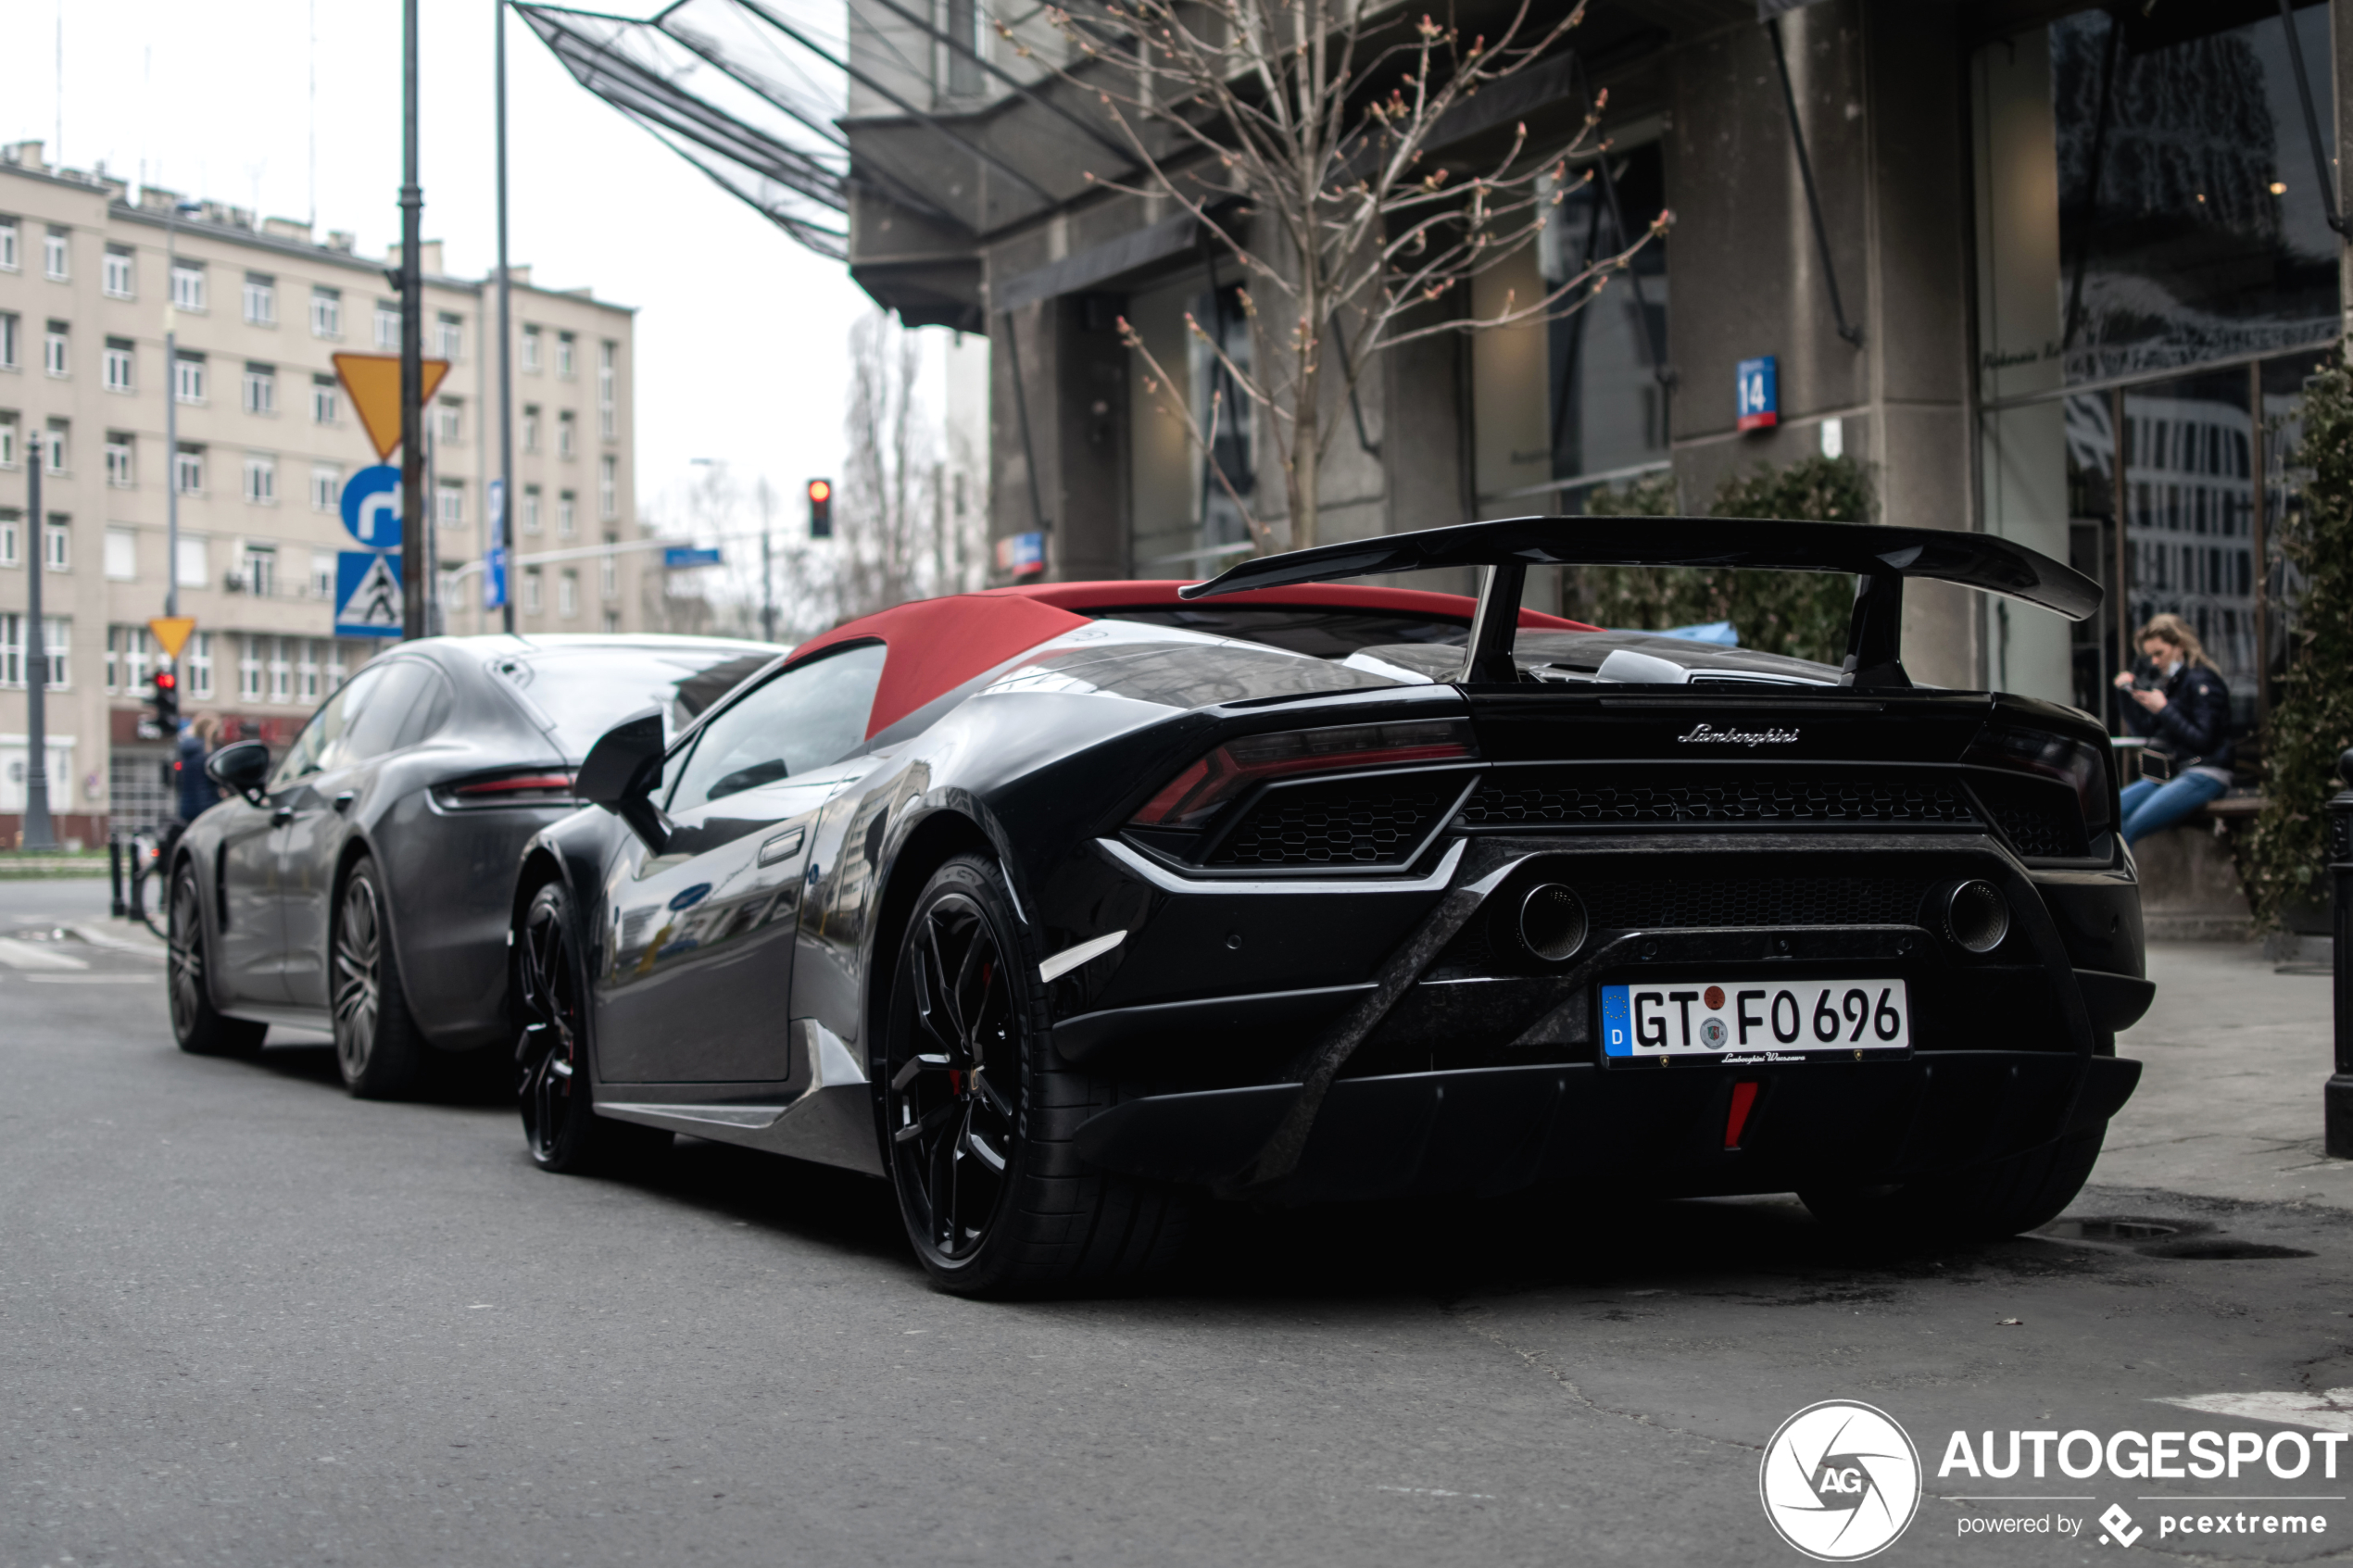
pixel 1212 781
pixel 537 786
pixel 2061 758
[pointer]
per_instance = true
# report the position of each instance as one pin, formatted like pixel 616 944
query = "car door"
pixel 698 955
pixel 397 709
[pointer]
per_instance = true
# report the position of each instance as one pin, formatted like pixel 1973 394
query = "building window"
pixel 260 571
pixel 7 441
pixel 11 326
pixel 127 658
pixel 387 324
pixel 530 508
pixel 608 570
pixel 531 582
pixel 334 667
pixel 9 254
pixel 322 574
pixel 606 417
pixel 261 478
pixel 187 285
pixel 187 471
pixel 249 669
pixel 11 534
pixel 118 365
pixel 262 389
pixel 531 427
pixel 122 451
pixel 566 445
pixel 57 544
pixel 56 641
pixel 564 346
pixel 531 349
pixel 450 504
pixel 187 379
pixel 282 668
pixel 611 620
pixel 195 565
pixel 607 488
pixel 118 278
pixel 196 654
pixel 568 594
pixel 567 523
pixel 54 252
pixel 58 432
pixel 326 488
pixel 56 353
pixel 326 401
pixel 326 312
pixel 262 299
pixel 307 673
pixel 123 554
pixel 448 336
pixel 449 422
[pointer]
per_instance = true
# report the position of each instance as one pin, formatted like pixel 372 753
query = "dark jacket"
pixel 197 792
pixel 2194 724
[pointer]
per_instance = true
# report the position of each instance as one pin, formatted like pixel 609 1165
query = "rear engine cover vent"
pixel 1820 900
pixel 2041 820
pixel 1563 797
pixel 1344 822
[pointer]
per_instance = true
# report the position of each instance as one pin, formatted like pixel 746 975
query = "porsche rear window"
pixel 1321 634
pixel 578 693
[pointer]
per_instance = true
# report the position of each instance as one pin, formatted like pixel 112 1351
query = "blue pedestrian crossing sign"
pixel 367 594
pixel 494 576
pixel 372 506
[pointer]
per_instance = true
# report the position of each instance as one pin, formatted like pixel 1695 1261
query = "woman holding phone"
pixel 2184 710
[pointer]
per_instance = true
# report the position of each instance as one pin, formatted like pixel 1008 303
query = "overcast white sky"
pixel 741 335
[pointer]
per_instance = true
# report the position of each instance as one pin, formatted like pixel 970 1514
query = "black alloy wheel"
pixel 976 1114
pixel 197 1025
pixel 951 1099
pixel 377 1043
pixel 559 1124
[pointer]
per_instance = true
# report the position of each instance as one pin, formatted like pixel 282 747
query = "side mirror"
pixel 618 774
pixel 242 768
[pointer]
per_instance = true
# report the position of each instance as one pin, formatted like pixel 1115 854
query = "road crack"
pixel 1537 1360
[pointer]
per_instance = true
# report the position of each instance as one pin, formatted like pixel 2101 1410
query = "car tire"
pixel 1988 1203
pixel 378 1046
pixel 560 1126
pixel 200 1028
pixel 994 1199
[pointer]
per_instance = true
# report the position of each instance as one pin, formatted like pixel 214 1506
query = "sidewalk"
pixel 2233 1055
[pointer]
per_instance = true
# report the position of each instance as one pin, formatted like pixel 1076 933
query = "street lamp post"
pixel 2338 1104
pixel 37 834
pixel 506 540
pixel 413 522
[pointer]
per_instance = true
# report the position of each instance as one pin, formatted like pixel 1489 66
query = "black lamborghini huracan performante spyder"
pixel 1063 908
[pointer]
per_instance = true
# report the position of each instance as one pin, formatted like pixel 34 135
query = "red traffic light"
pixel 166 681
pixel 819 490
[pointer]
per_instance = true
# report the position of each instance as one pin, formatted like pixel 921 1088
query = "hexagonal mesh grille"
pixel 1375 822
pixel 1566 797
pixel 2038 819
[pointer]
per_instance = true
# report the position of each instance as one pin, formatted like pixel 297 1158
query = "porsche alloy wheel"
pixel 559 1125
pixel 377 1045
pixel 199 1028
pixel 977 1114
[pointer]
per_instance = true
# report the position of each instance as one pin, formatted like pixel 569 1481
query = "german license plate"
pixel 1750 1022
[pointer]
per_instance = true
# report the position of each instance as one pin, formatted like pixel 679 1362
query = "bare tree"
pixel 895 537
pixel 1302 135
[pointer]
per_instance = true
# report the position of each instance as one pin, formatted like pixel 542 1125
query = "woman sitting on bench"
pixel 2186 713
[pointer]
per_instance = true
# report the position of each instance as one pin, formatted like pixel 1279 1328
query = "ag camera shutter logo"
pixel 1840 1481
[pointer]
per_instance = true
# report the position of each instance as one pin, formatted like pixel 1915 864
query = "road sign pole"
pixel 37 833
pixel 506 540
pixel 412 345
pixel 170 409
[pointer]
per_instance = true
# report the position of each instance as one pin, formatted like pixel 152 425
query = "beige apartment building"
pixel 91 273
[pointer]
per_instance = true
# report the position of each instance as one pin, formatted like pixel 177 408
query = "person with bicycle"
pixel 2184 710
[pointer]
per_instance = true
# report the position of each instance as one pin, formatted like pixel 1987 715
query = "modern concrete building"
pixel 266 439
pixel 2038 227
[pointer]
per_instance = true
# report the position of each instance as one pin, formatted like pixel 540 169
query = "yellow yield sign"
pixel 171 632
pixel 374 383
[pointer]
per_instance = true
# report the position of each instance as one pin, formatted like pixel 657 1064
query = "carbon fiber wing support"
pixel 1879 556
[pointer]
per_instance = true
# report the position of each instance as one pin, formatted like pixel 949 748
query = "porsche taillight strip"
pixel 539 786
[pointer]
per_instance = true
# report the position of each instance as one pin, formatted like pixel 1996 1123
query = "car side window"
pixel 323 742
pixel 808 716
pixel 400 711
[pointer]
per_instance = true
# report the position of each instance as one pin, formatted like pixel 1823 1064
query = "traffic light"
pixel 163 703
pixel 821 509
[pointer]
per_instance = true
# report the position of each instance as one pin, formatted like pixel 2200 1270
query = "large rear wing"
pixel 1880 556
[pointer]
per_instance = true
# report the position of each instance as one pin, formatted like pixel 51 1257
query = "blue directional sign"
pixel 679 557
pixel 367 594
pixel 372 506
pixel 1760 397
pixel 494 576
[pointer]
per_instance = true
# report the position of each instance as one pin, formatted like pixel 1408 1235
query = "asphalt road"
pixel 245 1320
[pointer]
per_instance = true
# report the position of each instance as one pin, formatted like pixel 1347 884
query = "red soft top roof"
pixel 937 645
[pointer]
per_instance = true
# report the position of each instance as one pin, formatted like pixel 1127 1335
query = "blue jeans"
pixel 2148 805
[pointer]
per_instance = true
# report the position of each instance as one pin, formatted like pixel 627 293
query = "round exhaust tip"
pixel 1552 922
pixel 1976 916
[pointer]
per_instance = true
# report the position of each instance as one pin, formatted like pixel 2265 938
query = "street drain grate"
pixel 2219 1248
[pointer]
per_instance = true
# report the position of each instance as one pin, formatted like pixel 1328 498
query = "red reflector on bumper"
pixel 1744 1101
